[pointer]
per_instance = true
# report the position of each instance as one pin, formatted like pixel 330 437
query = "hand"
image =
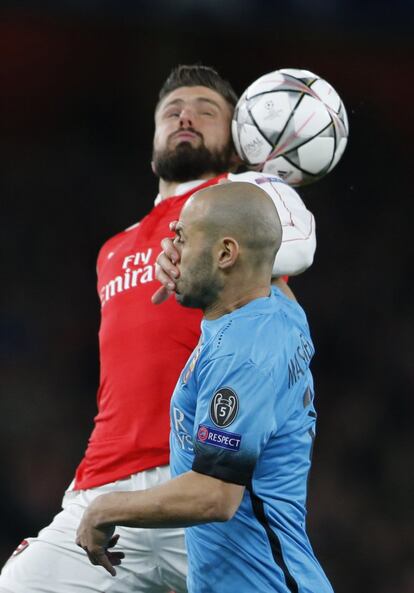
pixel 166 270
pixel 96 541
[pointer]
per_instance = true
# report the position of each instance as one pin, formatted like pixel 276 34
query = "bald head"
pixel 227 238
pixel 242 211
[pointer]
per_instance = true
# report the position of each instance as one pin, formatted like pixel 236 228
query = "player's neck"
pixel 169 188
pixel 230 300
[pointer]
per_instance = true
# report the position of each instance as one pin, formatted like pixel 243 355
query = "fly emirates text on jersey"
pixel 136 269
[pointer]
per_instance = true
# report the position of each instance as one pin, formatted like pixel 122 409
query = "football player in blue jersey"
pixel 242 413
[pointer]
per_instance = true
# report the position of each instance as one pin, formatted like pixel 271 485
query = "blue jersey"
pixel 243 412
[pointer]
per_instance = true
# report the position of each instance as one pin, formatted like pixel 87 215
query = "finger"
pixel 115 558
pixel 166 281
pixel 107 564
pixel 169 250
pixel 160 296
pixel 101 559
pixel 166 269
pixel 173 225
pixel 113 541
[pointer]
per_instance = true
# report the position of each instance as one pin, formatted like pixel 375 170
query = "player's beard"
pixel 198 287
pixel 185 162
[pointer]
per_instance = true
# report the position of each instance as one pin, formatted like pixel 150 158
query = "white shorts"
pixel 155 559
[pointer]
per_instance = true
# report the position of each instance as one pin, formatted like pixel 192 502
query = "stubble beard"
pixel 185 162
pixel 202 288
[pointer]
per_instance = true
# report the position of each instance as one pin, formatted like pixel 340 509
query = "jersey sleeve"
pixel 235 417
pixel 298 224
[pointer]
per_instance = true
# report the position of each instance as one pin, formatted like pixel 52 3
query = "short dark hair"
pixel 198 75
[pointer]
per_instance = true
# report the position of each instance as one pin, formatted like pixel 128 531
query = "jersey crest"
pixel 224 407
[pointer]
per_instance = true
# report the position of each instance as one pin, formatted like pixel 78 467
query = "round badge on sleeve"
pixel 224 407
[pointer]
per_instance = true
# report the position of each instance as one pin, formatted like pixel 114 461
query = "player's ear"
pixel 228 253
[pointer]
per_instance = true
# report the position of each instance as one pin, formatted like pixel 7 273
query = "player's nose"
pixel 187 117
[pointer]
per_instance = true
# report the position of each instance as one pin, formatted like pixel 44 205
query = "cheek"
pixel 187 266
pixel 184 262
pixel 219 135
pixel 157 139
pixel 161 134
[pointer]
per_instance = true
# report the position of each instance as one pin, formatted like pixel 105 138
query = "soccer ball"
pixel 290 123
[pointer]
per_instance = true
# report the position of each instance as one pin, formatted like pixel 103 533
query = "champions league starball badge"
pixel 224 407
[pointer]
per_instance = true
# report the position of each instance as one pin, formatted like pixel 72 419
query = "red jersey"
pixel 143 348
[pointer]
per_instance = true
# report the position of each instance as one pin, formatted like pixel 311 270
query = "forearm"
pixel 187 500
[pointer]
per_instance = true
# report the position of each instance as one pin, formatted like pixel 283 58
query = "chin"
pixel 182 299
pixel 186 300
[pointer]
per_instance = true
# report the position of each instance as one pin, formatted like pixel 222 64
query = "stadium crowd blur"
pixel 78 88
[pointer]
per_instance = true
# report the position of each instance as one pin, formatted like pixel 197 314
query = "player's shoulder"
pixel 255 177
pixel 275 186
pixel 111 243
pixel 263 326
pixel 289 309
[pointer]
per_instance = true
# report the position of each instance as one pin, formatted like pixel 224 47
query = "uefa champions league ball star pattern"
pixel 290 123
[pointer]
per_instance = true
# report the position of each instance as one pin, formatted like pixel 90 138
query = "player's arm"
pixel 189 499
pixel 298 246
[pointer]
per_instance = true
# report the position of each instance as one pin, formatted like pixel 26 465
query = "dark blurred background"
pixel 78 84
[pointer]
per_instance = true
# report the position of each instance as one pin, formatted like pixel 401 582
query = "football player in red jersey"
pixel 143 348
